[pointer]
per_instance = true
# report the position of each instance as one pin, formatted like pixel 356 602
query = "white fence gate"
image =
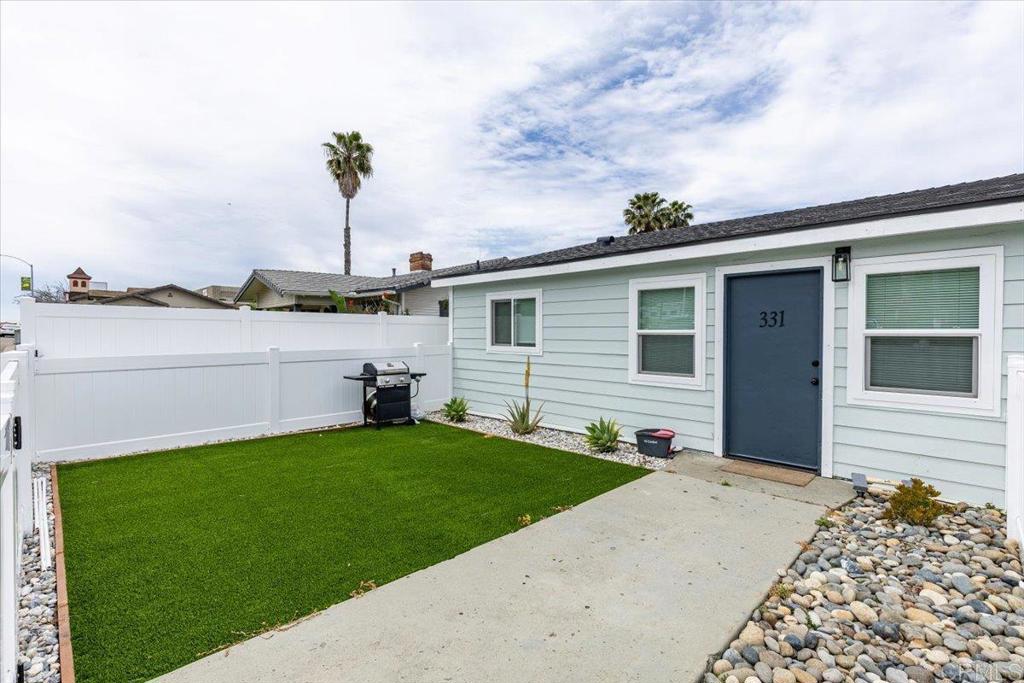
pixel 15 511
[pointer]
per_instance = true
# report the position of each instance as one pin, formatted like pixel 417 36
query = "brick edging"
pixel 67 660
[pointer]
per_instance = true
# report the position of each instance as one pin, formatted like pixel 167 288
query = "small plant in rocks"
pixel 455 409
pixel 915 504
pixel 824 522
pixel 603 435
pixel 780 590
pixel 520 420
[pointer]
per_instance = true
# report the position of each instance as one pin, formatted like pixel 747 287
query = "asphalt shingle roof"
pixel 993 190
pixel 318 284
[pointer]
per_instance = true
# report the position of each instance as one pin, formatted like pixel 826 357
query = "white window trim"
pixel 695 280
pixel 539 322
pixel 989 261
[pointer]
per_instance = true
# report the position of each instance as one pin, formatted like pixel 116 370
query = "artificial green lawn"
pixel 172 555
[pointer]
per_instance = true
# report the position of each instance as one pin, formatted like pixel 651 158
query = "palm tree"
pixel 648 211
pixel 679 214
pixel 645 213
pixel 349 160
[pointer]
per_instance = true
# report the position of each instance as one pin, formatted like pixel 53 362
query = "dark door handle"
pixel 814 381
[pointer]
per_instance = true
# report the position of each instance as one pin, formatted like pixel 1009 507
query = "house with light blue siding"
pixel 867 336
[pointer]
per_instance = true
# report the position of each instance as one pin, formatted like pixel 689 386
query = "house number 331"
pixel 773 319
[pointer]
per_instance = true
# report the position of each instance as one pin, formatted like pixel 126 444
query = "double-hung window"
pixel 514 322
pixel 924 331
pixel 666 330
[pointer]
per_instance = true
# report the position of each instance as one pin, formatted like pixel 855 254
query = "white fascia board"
pixel 993 214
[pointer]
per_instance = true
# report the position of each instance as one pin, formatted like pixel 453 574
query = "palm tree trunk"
pixel 348 241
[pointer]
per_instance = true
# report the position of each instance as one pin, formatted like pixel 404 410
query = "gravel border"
pixel 553 438
pixel 37 613
pixel 870 600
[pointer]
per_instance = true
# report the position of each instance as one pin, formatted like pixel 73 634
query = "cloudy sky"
pixel 179 142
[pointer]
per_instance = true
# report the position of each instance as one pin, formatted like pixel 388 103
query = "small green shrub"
pixel 824 522
pixel 915 504
pixel 455 409
pixel 603 435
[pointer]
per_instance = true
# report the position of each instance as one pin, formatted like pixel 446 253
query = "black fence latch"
pixel 16 433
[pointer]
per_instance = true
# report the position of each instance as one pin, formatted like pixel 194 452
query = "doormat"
pixel 760 470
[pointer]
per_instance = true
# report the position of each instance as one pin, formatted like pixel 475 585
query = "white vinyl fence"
pixel 79 330
pixel 1015 448
pixel 15 511
pixel 99 407
pixel 108 380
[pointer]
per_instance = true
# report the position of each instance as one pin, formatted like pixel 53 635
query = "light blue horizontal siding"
pixel 962 456
pixel 581 374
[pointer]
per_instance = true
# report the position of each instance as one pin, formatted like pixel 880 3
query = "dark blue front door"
pixel 773 367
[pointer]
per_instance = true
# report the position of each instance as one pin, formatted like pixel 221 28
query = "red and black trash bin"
pixel 655 442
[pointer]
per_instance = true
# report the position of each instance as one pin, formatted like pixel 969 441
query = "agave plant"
pixel 455 409
pixel 603 435
pixel 519 418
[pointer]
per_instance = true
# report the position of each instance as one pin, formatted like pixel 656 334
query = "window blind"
pixel 666 354
pixel 666 309
pixel 526 322
pixel 934 364
pixel 935 299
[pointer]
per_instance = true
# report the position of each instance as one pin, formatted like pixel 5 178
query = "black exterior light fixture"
pixel 841 265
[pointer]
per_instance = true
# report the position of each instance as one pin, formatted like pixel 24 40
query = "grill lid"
pixel 388 367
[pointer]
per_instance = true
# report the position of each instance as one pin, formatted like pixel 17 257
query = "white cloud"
pixel 180 142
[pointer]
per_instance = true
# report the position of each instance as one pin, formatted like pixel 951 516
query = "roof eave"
pixel 995 212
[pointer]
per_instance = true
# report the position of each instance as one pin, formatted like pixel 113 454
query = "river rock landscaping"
pixel 553 438
pixel 37 607
pixel 869 599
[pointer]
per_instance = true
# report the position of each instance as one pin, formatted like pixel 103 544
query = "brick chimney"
pixel 420 261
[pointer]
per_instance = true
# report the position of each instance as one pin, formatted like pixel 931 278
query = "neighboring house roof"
pixel 305 283
pixel 80 274
pixel 993 190
pixel 144 294
pixel 136 296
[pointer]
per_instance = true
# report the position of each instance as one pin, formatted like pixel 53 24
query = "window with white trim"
pixel 666 330
pixel 924 331
pixel 514 322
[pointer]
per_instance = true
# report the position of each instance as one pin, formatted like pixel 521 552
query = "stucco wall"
pixel 582 373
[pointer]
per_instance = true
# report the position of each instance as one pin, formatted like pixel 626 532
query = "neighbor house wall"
pixel 582 373
pixel 423 301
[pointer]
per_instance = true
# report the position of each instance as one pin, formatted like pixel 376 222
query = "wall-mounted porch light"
pixel 841 265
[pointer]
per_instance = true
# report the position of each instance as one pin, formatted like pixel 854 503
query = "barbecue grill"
pixel 386 392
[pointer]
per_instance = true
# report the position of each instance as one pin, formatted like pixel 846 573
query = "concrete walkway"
pixel 639 584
